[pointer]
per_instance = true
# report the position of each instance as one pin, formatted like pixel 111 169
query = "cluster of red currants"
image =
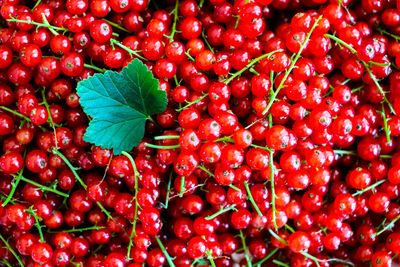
pixel 279 145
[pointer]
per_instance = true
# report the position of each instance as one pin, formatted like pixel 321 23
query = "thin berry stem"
pixel 245 250
pixel 14 185
pixel 116 25
pixel 277 237
pixel 52 29
pixel 166 137
pixel 135 216
pixel 37 223
pixel 182 186
pixel 387 226
pixel 89 66
pixel 344 152
pixel 279 263
pixel 373 186
pixel 311 257
pixel 164 251
pixel 12 251
pixel 16 113
pixel 270 255
pixel 79 179
pixel 291 67
pixel 221 211
pixel 192 102
pixel 249 65
pixel 206 41
pixel 79 230
pixel 162 147
pixel 203 168
pixel 127 49
pixel 43 187
pixel 273 195
pixel 251 199
pixel 50 119
pixel 175 22
pixel 168 191
pixel 367 68
pixel 210 258
pixel 382 31
pixel 385 124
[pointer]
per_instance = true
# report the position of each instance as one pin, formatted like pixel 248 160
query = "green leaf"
pixel 119 105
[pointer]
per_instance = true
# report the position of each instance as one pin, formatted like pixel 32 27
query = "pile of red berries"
pixel 279 146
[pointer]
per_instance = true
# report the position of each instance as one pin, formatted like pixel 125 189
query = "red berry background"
pixel 279 145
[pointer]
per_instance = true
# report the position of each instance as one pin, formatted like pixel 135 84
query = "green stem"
pixel 78 230
pixel 344 152
pixel 81 182
pixel 127 49
pixel 174 23
pixel 36 4
pixel 251 64
pixel 37 223
pixel 221 211
pixel 42 187
pixel 287 226
pixel 279 263
pixel 6 263
pixel 182 187
pixel 12 251
pixel 116 26
pixel 14 185
pixel 234 188
pixel 360 192
pixel 273 195
pixel 164 251
pixel 210 258
pixel 396 37
pixel 252 201
pixel 203 168
pixel 46 104
pixel 52 29
pixel 311 257
pixel 135 216
pixel 70 166
pixel 206 41
pixel 89 66
pixel 261 147
pixel 166 137
pixel 367 68
pixel 192 102
pixel 161 147
pixel 245 250
pixel 277 237
pixel 168 190
pixel 292 65
pixel 270 255
pixel 16 113
pixel 387 226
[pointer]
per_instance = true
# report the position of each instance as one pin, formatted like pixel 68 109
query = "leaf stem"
pixel 16 113
pixel 165 252
pixel 252 201
pixel 12 251
pixel 52 29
